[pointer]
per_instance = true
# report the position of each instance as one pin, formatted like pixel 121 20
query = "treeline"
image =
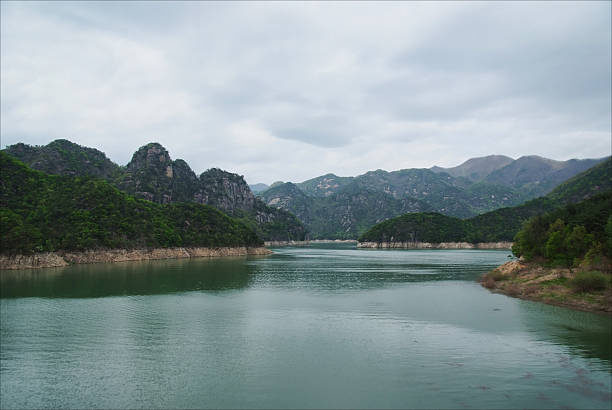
pixel 566 236
pixel 592 214
pixel 40 212
pixel 418 227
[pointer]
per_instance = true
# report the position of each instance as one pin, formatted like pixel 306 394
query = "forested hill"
pixel 40 212
pixel 152 174
pixel 344 207
pixel 499 225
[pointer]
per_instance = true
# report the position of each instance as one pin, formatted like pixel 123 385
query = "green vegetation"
pixel 565 236
pixel 589 281
pixel 40 212
pixel 503 224
pixel 152 175
pixel 418 227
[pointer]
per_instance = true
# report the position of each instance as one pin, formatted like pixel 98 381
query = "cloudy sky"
pixel 290 91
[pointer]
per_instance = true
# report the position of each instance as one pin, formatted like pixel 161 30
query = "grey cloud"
pixel 411 82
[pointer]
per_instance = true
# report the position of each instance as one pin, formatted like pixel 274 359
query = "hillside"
pixel 62 157
pixel 537 176
pixel 343 214
pixel 342 207
pixel 151 174
pixel 40 213
pixel 503 224
pixel 476 169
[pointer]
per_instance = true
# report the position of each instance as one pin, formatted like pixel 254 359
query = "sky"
pixel 290 91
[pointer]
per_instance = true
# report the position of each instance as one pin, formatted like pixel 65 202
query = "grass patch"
pixel 497 276
pixel 590 281
pixel 556 282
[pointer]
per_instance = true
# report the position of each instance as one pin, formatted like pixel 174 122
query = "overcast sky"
pixel 290 91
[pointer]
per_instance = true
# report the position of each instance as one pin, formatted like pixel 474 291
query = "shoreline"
pixel 308 242
pixel 65 258
pixel 433 245
pixel 533 282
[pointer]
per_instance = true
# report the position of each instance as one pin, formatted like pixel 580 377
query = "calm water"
pixel 307 327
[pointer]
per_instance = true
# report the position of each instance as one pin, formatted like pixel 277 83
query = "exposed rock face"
pixel 428 245
pixel 38 260
pixel 224 190
pixel 56 259
pixel 152 175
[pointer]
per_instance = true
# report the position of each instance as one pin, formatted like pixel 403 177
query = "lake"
pixel 318 326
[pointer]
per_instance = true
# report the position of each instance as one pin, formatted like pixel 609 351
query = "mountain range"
pixel 325 207
pixel 151 174
pixel 594 185
pixel 343 207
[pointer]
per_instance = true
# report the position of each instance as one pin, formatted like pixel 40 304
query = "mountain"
pixel 258 188
pixel 151 174
pixel 324 185
pixel 537 176
pixel 41 212
pixel 344 207
pixel 476 169
pixel 501 224
pixel 342 214
pixel 62 157
pixel 475 187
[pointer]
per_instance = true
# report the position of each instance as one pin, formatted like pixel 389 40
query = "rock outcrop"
pixel 57 259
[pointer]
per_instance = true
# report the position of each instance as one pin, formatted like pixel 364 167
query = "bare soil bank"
pixel 305 243
pixel 441 245
pixel 531 281
pixel 55 259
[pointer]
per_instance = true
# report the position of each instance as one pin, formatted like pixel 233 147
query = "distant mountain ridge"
pixel 151 174
pixel 341 207
pixel 476 169
pixel 328 206
pixel 498 225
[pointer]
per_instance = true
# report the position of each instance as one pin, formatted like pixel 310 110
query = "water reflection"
pixel 127 278
pixel 341 268
pixel 587 334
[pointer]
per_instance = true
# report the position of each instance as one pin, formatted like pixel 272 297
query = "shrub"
pixel 589 281
pixel 497 275
pixel 488 282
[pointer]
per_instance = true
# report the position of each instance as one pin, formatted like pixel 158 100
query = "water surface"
pixel 321 326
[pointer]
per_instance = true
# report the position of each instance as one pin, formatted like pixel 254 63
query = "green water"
pixel 308 327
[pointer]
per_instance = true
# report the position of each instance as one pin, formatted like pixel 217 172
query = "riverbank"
pixel 57 259
pixel 306 243
pixel 553 286
pixel 430 245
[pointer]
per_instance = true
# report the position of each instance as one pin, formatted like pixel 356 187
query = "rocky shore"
pixel 304 243
pixel 553 286
pixel 441 245
pixel 56 259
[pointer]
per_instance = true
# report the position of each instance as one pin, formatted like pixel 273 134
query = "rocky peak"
pixel 152 155
pixel 224 190
pixel 152 175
